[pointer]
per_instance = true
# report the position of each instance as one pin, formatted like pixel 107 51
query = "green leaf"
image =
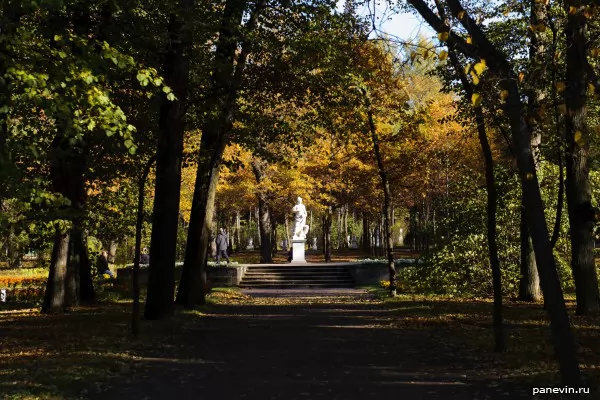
pixel 170 97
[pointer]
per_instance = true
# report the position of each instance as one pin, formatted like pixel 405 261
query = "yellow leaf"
pixel 476 99
pixel 529 176
pixel 475 78
pixel 467 68
pixel 591 88
pixel 521 76
pixel 503 95
pixel 443 36
pixel 426 55
pixel 443 55
pixel 562 108
pixel 413 55
pixel 479 67
pixel 595 52
pixel 579 139
pixel 560 87
pixel 469 39
pixel 541 27
pixel 461 14
pixel 556 56
pixel 572 10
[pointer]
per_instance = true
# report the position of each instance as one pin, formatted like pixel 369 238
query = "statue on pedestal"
pixel 300 227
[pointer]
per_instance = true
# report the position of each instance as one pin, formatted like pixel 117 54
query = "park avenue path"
pixel 314 344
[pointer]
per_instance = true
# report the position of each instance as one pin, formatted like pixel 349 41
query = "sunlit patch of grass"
pixel 24 272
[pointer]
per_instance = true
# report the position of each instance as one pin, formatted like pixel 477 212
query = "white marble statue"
pixel 300 227
pixel 250 244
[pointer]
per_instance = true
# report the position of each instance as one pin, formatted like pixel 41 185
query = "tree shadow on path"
pixel 318 349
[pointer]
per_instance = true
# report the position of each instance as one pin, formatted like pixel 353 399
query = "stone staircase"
pixel 287 276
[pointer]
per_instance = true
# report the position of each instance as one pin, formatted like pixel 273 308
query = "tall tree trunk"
pixel 529 286
pixel 327 233
pixel 529 283
pixel 273 235
pixel 238 236
pixel 578 189
pixel 264 219
pixel 192 284
pixel 499 340
pixel 9 21
pixel 559 135
pixel 366 237
pixel 562 336
pixel 67 167
pixel 81 266
pixel 387 196
pixel 346 239
pixel 135 312
pixel 226 79
pixel 55 297
pixel 492 197
pixel 163 241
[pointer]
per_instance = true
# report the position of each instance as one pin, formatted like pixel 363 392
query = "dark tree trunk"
pixel 192 287
pixel 562 336
pixel 492 197
pixel 559 136
pixel 81 266
pixel 165 220
pixel 529 283
pixel 499 340
pixel 273 224
pixel 216 129
pixel 366 237
pixel 529 286
pixel 387 197
pixel 67 167
pixel 9 20
pixel 55 297
pixel 327 233
pixel 578 189
pixel 135 312
pixel 264 219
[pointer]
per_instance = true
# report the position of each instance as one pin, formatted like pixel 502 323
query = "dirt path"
pixel 335 346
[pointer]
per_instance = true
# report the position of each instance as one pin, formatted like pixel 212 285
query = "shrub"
pixel 21 289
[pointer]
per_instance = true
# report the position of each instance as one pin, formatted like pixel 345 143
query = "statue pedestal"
pixel 298 250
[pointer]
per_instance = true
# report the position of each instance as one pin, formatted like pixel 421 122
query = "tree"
pixel 161 274
pixel 483 49
pixel 581 213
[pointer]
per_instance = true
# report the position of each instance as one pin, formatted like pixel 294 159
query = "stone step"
pixel 276 279
pixel 296 276
pixel 292 278
pixel 297 271
pixel 316 280
pixel 292 274
pixel 281 285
